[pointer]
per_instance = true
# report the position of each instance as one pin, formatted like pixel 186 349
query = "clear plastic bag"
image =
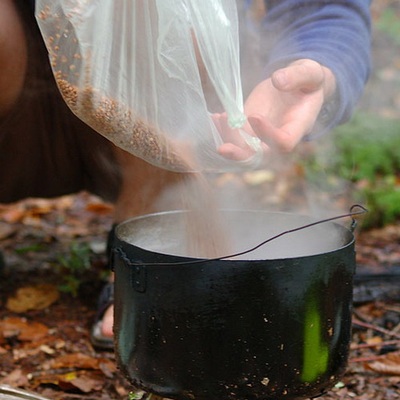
pixel 133 69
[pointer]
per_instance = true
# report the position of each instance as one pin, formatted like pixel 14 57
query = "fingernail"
pixel 280 79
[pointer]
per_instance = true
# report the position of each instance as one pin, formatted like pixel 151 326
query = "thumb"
pixel 304 75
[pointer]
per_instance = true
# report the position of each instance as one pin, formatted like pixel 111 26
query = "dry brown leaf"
pixel 83 361
pixel 21 353
pixel 88 382
pixel 83 380
pixel 75 360
pixel 12 215
pixel 16 378
pixel 65 202
pixel 375 340
pixel 33 220
pixel 259 177
pixel 36 297
pixel 6 230
pixel 388 365
pixel 39 208
pixel 50 340
pixel 100 208
pixel 108 368
pixel 22 329
pixel 61 380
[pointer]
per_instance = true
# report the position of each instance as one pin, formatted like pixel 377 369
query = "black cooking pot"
pixel 274 324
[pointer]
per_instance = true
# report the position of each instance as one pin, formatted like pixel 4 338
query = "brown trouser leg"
pixel 145 188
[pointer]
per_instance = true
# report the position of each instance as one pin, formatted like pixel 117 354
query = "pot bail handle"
pixel 353 213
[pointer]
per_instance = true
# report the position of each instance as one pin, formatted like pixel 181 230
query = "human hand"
pixel 280 111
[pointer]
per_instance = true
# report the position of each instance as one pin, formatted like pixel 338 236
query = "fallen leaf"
pixel 12 215
pixel 256 178
pixel 83 361
pixel 6 230
pixel 375 340
pixel 16 378
pixel 61 380
pixel 100 208
pixel 36 297
pixel 75 360
pixel 107 367
pixel 83 380
pixel 46 349
pixel 19 354
pixel 33 221
pixel 22 329
pixel 88 382
pixel 388 365
pixel 49 341
pixel 39 208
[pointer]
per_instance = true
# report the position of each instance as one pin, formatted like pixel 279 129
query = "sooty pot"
pixel 274 323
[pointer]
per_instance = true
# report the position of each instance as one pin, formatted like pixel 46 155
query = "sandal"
pixel 106 299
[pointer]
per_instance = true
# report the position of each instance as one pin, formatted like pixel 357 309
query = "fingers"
pixel 227 133
pixel 233 152
pixel 235 147
pixel 283 139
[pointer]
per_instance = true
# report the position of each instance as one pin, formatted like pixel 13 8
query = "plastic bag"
pixel 132 70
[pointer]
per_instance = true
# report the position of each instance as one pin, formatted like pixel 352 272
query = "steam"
pixel 281 186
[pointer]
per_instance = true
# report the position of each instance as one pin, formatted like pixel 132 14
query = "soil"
pixel 54 264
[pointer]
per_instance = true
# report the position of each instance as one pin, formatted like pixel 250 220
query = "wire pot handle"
pixel 352 214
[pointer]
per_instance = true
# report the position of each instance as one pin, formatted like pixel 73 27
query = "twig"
pixel 392 308
pixel 375 328
pixel 372 345
pixel 365 359
pixel 396 328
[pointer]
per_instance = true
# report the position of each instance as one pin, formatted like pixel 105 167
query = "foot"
pixel 102 330
pixel 107 322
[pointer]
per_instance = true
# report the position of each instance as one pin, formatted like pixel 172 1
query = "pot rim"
pixel 180 259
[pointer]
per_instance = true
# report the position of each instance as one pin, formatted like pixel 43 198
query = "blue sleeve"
pixel 336 34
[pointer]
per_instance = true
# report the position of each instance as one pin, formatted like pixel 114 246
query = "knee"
pixel 13 55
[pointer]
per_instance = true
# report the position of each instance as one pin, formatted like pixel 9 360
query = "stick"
pixel 372 345
pixel 364 359
pixel 375 328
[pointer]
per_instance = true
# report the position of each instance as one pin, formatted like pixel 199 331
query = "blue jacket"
pixel 333 33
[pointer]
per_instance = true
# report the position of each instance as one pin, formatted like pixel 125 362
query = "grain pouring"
pixel 206 236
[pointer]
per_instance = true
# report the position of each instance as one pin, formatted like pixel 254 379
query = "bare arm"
pixel 13 55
